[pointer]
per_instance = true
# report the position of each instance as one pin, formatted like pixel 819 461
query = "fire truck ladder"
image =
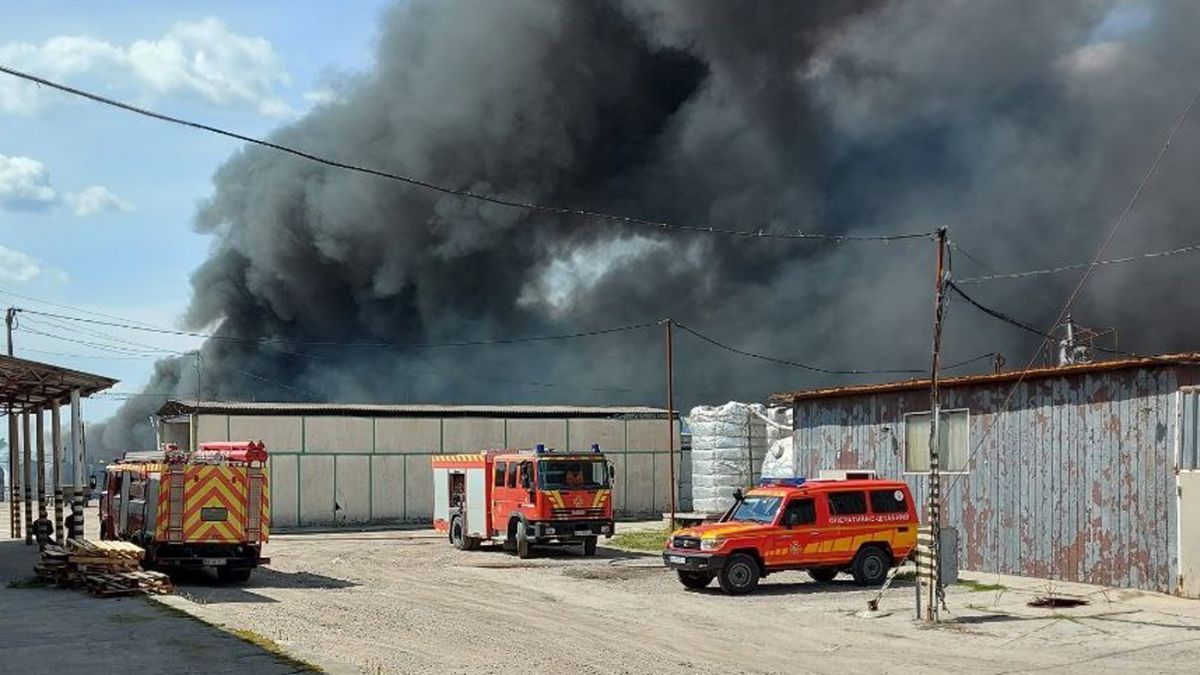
pixel 175 486
pixel 254 504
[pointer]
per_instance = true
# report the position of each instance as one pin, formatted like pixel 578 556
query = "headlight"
pixel 711 544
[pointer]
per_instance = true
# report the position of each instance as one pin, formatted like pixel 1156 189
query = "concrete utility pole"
pixel 9 315
pixel 929 556
pixel 670 417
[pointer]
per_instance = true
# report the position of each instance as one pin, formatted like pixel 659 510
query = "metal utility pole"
pixel 671 415
pixel 929 562
pixel 9 315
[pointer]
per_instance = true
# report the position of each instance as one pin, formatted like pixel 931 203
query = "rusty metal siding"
pixel 1073 481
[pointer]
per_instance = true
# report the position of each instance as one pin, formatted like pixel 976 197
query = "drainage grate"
pixel 1053 601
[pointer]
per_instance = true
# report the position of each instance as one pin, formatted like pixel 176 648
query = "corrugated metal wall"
pixel 1074 482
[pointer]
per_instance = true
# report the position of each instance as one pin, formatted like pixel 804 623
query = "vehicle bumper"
pixel 231 563
pixel 693 562
pixel 569 530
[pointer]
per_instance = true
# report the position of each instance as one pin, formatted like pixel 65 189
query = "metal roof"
pixel 1186 358
pixel 32 384
pixel 189 407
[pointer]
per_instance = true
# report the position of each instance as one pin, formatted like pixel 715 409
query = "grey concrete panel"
pixel 418 488
pixel 582 433
pixel 353 489
pixel 316 489
pixel 211 428
pixel 283 434
pixel 650 435
pixel 283 491
pixel 639 484
pixel 408 435
pixel 387 490
pixel 472 434
pixel 524 433
pixel 618 497
pixel 338 434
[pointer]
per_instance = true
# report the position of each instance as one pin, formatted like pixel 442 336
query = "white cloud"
pixel 17 266
pixel 25 184
pixel 1095 59
pixel 323 96
pixel 201 58
pixel 94 199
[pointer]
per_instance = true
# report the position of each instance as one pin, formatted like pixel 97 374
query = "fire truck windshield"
pixel 756 509
pixel 569 474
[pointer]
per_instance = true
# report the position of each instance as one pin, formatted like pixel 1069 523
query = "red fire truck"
pixel 523 498
pixel 208 508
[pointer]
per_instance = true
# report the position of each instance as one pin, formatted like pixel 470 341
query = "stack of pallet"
pixel 104 568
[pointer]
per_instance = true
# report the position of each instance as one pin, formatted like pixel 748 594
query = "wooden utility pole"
pixel 9 315
pixel 671 416
pixel 929 561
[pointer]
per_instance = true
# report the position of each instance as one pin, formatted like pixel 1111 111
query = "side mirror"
pixel 738 495
pixel 612 472
pixel 525 481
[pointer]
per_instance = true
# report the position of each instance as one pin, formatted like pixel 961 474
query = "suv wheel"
pixel 870 566
pixel 739 575
pixel 694 580
pixel 823 575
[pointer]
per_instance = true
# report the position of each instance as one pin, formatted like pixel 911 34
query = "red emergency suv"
pixel 864 527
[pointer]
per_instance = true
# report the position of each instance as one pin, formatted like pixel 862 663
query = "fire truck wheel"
pixel 694 580
pixel 823 575
pixel 457 537
pixel 234 574
pixel 524 549
pixel 589 546
pixel 740 574
pixel 870 566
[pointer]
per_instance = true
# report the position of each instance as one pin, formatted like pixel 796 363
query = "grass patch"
pixel 27 582
pixel 980 587
pixel 641 540
pixel 257 639
pixel 272 647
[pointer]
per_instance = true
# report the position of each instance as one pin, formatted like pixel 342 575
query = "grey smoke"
pixel 1022 126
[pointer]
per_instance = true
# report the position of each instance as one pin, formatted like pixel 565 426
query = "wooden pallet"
pixel 105 549
pixel 128 583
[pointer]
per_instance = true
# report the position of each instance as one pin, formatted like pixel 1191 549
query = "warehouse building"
pixel 1087 472
pixel 361 463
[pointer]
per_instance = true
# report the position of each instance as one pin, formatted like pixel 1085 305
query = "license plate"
pixel 582 533
pixel 214 561
pixel 677 559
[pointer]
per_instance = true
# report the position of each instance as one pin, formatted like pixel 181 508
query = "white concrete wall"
pixel 523 433
pixel 379 470
pixel 280 434
pixel 338 434
pixel 472 434
pixel 212 428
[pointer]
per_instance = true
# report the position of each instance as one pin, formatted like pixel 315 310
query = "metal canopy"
pixel 29 385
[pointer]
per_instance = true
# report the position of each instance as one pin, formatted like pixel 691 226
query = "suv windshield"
pixel 571 474
pixel 756 509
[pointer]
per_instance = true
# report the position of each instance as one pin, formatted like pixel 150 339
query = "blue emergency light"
pixel 541 448
pixel 781 482
pixel 595 447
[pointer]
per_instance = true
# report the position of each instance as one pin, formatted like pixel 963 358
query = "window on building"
pixel 501 467
pixel 1189 449
pixel 847 503
pixel 953 446
pixel 800 512
pixel 888 501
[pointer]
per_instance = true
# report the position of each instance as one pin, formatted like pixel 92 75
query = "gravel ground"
pixel 407 602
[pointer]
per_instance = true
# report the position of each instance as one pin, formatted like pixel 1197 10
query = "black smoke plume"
pixel 1023 127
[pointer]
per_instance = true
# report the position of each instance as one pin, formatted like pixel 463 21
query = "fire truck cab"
pixel 208 508
pixel 864 527
pixel 524 498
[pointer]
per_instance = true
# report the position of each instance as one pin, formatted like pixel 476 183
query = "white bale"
pixel 780 461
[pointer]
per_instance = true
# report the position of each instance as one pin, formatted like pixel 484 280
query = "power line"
pixel 467 194
pixel 368 345
pixel 958 247
pixel 818 369
pixel 1077 266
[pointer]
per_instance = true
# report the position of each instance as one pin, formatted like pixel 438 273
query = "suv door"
pixel 795 539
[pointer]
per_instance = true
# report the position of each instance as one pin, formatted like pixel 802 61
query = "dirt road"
pixel 408 602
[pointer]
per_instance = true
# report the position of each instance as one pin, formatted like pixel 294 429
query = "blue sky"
pixel 96 204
